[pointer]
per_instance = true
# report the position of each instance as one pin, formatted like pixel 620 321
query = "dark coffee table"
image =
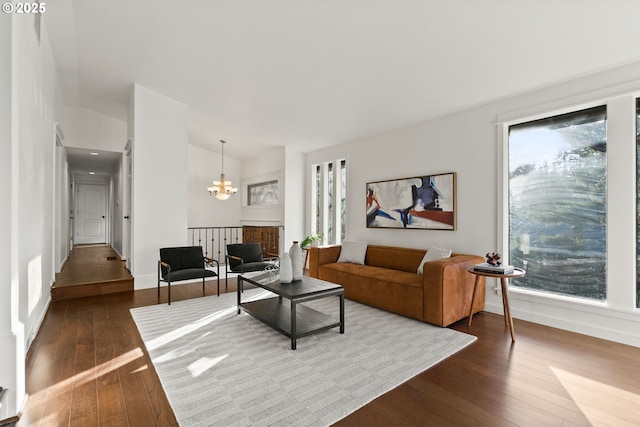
pixel 291 318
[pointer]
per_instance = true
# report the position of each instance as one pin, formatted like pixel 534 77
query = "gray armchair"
pixel 184 263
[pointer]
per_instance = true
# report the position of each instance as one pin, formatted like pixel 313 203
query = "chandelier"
pixel 222 189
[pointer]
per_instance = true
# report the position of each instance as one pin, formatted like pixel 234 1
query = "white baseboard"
pixel 597 322
pixel 29 338
pixel 62 263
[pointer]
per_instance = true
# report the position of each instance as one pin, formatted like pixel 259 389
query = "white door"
pixel 91 221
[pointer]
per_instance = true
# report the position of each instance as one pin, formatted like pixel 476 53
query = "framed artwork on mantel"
pixel 424 202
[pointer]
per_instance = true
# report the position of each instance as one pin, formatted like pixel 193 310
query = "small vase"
pixel 295 253
pixel 286 269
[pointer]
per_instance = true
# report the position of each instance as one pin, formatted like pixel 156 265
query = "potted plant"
pixel 312 240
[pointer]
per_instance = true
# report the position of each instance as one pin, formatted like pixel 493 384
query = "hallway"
pixel 91 270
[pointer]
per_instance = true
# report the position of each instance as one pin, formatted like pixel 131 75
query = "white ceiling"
pixel 97 163
pixel 313 73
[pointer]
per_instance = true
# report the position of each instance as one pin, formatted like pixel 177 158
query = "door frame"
pixel 127 225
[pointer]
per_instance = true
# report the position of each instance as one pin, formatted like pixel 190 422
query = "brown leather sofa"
pixel 389 280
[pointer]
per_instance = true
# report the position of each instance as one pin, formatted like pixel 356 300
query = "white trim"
pixel 556 112
pixel 58 130
pixel 573 103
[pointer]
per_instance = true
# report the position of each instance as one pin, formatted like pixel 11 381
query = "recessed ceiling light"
pixel 93 153
pixel 92 173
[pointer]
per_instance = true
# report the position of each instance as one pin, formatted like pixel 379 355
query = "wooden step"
pixel 91 289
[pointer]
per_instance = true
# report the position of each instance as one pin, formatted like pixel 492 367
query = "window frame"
pixel 503 205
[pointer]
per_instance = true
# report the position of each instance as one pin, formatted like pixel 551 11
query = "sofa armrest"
pixel 319 255
pixel 448 289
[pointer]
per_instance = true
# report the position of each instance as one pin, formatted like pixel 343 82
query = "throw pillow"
pixel 353 252
pixel 433 254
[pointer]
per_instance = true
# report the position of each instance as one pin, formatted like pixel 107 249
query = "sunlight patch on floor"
pixel 164 339
pixel 140 369
pixel 203 364
pixel 170 336
pixel 67 385
pixel 623 407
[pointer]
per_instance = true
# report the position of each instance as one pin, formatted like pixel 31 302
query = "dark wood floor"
pixel 88 367
pixel 91 270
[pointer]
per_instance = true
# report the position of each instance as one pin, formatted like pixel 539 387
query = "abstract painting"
pixel 424 202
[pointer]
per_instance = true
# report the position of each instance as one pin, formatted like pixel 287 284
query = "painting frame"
pixel 426 202
pixel 261 192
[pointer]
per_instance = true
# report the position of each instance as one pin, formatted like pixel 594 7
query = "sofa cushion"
pixel 433 254
pixel 189 273
pixel 395 291
pixel 353 252
pixel 394 258
pixel 367 272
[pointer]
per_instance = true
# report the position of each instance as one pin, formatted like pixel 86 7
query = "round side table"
pixel 508 321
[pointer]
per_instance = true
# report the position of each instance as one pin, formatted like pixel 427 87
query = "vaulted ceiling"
pixel 313 73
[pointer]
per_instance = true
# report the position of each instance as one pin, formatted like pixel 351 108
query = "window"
pixel 331 205
pixel 557 203
pixel 638 203
pixel 343 199
pixel 329 200
pixel 317 219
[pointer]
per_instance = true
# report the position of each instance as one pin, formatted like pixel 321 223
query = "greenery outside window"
pixel 558 203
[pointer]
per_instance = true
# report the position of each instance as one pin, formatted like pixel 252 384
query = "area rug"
pixel 219 368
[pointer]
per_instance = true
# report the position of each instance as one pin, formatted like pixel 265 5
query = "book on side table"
pixel 495 269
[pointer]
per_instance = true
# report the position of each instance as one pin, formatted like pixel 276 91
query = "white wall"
pixel 160 204
pixel 293 188
pixel 9 340
pixel 467 143
pixel 85 128
pixel 206 210
pixel 265 166
pixel 29 108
